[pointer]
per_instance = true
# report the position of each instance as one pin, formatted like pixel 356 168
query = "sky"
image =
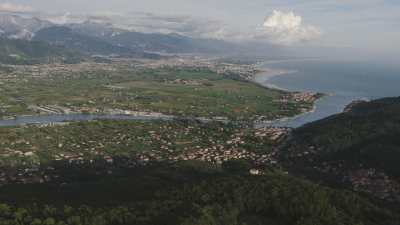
pixel 363 24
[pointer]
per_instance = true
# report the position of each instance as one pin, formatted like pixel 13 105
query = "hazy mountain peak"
pixel 18 27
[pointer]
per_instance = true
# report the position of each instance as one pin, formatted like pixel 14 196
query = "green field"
pixel 171 91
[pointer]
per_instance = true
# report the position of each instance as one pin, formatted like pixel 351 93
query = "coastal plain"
pixel 206 164
pixel 207 89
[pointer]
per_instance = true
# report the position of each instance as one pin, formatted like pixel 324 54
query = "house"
pixel 255 172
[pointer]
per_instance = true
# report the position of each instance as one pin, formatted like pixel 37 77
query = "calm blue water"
pixel 345 81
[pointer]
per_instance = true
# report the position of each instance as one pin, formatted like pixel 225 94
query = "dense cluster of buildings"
pixel 169 150
pixel 273 133
pixel 65 70
pixel 246 72
pixel 300 97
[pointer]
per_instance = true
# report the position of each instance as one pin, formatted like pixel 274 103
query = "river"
pixel 58 118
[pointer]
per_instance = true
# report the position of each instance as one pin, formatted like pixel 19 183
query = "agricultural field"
pixel 196 92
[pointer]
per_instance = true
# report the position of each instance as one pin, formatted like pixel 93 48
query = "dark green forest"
pixel 366 135
pixel 189 193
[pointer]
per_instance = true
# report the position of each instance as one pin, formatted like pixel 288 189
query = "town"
pixel 139 143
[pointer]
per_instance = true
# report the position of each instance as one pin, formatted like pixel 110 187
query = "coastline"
pixel 267 74
pixel 269 123
pixel 263 77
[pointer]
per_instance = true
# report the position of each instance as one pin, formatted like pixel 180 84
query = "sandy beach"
pixel 267 74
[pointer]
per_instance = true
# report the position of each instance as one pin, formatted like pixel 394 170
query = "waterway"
pixel 342 81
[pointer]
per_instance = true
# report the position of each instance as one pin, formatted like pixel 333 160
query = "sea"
pixel 341 81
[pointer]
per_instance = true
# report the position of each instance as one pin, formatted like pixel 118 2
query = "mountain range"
pixel 19 27
pixel 101 38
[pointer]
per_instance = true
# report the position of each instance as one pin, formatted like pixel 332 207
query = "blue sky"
pixel 367 24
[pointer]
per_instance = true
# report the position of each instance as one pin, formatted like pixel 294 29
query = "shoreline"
pixel 269 123
pixel 262 78
pixel 265 74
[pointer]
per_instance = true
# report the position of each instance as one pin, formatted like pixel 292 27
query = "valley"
pixel 191 89
pixel 144 119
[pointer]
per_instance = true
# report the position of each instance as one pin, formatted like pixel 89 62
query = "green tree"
pixel 49 221
pixel 5 210
pixel 37 221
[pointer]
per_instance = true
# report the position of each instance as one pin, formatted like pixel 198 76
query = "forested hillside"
pixel 361 143
pixel 187 193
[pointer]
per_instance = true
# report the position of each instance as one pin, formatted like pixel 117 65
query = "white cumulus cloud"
pixel 286 28
pixel 11 7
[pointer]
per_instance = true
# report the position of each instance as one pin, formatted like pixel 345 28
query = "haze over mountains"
pixel 102 38
pixel 18 27
pixel 134 35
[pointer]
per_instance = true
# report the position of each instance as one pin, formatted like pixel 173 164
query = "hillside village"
pixel 238 145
